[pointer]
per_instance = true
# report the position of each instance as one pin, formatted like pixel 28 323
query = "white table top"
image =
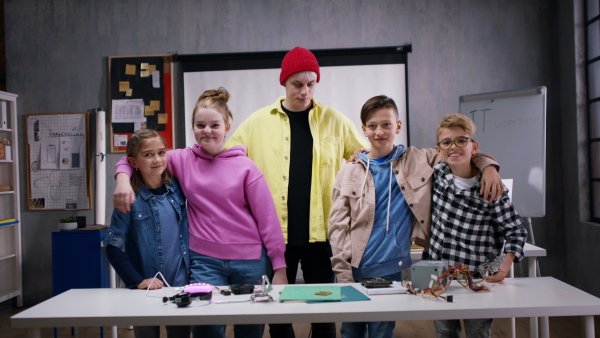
pixel 519 297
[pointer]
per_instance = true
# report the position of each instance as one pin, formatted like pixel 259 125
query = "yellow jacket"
pixel 266 135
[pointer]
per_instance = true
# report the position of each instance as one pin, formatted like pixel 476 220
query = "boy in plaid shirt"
pixel 467 228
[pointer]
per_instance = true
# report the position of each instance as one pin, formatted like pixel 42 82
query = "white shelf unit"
pixel 11 283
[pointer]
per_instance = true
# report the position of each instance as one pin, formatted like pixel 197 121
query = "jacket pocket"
pixel 329 151
pixel 422 177
pixel 142 219
pixel 351 190
pixel 352 193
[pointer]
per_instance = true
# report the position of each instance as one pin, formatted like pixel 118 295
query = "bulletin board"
pixel 141 97
pixel 58 162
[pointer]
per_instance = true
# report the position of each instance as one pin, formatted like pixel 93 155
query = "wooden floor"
pixel 560 327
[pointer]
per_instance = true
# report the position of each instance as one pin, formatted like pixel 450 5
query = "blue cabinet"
pixel 78 260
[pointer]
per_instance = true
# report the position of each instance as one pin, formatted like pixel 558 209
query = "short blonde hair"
pixel 457 120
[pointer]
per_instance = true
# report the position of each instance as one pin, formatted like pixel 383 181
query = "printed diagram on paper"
pixel 57 161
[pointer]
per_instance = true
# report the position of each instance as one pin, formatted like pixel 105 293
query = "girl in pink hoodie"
pixel 235 234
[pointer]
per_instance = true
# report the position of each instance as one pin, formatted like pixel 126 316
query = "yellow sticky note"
pixel 144 66
pixel 151 68
pixel 144 73
pixel 155 104
pixel 148 111
pixel 123 86
pixel 129 92
pixel 162 118
pixel 130 70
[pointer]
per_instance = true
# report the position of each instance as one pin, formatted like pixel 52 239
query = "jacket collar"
pixel 146 194
pixel 447 180
pixel 276 107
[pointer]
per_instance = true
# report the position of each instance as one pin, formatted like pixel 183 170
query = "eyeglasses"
pixel 460 142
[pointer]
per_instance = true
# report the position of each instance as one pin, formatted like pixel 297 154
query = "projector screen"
pixel 348 78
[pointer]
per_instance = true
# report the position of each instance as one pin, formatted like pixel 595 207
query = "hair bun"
pixel 220 94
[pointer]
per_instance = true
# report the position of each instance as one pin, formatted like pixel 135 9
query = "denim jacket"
pixel 139 231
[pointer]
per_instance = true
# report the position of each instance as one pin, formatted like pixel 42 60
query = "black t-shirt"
pixel 301 157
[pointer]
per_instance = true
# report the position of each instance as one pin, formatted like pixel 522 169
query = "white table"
pixel 518 297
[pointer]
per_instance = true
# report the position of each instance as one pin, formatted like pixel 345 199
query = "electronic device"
pixel 181 299
pixel 423 272
pixel 241 289
pixel 199 291
pixel 198 288
pixel 377 282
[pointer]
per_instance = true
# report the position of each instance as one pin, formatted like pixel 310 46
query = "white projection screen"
pixel 348 78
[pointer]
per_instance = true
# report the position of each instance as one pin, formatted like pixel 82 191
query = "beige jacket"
pixel 351 218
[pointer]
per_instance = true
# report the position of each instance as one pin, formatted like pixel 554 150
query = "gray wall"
pixel 57 62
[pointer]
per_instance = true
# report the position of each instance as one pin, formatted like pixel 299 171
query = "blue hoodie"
pixel 389 242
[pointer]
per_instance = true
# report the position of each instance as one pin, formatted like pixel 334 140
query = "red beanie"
pixel 298 60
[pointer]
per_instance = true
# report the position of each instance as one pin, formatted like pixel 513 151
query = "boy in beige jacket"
pixel 382 203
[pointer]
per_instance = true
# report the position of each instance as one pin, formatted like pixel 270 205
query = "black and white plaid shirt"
pixel 466 228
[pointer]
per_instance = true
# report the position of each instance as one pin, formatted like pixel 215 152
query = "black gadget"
pixel 377 282
pixel 241 289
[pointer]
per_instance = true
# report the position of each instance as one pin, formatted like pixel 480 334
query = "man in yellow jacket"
pixel 299 144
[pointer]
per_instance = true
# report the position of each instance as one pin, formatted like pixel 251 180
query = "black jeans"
pixel 315 261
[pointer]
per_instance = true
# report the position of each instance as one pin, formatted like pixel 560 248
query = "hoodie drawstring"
pixel 362 191
pixel 362 188
pixel 387 225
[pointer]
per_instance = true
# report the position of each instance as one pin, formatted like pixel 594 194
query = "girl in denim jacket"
pixel 155 232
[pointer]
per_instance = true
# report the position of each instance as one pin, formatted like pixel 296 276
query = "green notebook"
pixel 350 294
pixel 309 293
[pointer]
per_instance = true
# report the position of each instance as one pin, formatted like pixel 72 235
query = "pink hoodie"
pixel 230 208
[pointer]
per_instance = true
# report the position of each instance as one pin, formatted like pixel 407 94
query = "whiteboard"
pixel 511 126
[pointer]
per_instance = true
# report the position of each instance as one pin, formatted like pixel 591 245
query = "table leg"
pixel 81 332
pixel 512 327
pixel 544 327
pixel 588 323
pixel 34 333
pixel 533 321
pixel 532 264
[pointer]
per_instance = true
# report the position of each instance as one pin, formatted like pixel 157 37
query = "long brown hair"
pixel 135 143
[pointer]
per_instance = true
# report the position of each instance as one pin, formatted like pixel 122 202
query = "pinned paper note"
pixel 162 119
pixel 155 104
pixel 144 73
pixel 148 111
pixel 123 86
pixel 129 92
pixel 144 66
pixel 120 140
pixel 156 79
pixel 151 68
pixel 130 70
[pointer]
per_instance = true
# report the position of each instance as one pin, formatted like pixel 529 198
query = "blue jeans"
pixel 223 272
pixel 374 329
pixel 474 328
